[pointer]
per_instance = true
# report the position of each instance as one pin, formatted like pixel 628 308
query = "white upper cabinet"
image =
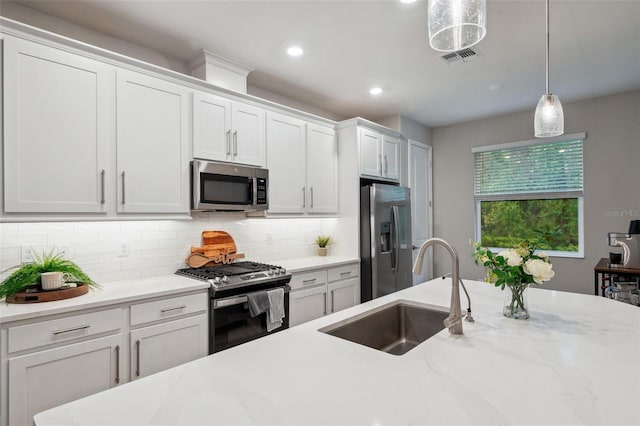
pixel 226 130
pixel 322 169
pixel 286 159
pixel 302 161
pixel 58 127
pixel 152 145
pixel 370 152
pixel 379 154
pixel 390 157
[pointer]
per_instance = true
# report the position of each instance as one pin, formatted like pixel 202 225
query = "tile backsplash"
pixel 112 251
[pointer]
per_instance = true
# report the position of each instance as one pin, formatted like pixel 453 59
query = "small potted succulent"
pixel 28 274
pixel 322 241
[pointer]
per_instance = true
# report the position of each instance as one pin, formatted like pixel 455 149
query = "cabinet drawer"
pixel 344 272
pixel 168 308
pixel 308 279
pixel 59 330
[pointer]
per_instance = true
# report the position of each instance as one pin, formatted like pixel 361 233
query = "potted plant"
pixel 28 274
pixel 322 241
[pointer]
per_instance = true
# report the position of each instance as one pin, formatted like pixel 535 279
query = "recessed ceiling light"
pixel 295 51
pixel 376 90
pixel 408 1
pixel 495 87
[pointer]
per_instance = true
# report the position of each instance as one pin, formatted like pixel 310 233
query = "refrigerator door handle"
pixel 395 240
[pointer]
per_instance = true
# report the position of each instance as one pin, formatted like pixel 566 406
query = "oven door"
pixel 232 324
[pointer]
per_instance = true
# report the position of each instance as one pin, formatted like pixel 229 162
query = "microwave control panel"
pixel 262 191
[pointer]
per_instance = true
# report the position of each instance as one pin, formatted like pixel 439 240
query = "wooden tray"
pixel 48 295
pixel 217 247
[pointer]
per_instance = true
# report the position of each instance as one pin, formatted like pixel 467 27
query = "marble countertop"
pixel 575 362
pixel 143 288
pixel 314 262
pixel 107 294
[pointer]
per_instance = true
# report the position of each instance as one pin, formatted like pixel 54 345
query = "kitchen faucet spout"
pixel 454 321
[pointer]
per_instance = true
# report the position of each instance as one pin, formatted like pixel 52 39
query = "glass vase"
pixel 515 301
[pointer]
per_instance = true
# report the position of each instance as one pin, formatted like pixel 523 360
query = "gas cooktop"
pixel 237 274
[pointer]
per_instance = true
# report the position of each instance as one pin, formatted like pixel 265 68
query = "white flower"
pixel 544 256
pixel 539 270
pixel 511 256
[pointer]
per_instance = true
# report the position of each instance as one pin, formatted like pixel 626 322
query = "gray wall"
pixel 611 179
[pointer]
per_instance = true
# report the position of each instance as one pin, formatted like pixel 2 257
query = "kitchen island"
pixel 576 361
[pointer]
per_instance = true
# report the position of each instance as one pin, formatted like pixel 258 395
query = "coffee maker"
pixel 630 243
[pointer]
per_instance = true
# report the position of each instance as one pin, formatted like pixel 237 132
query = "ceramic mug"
pixel 53 280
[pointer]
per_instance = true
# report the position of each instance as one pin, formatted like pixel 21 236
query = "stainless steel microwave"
pixel 228 187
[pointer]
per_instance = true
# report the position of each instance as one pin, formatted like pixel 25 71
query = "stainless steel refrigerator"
pixel 385 240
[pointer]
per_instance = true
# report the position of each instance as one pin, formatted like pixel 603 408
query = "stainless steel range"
pixel 230 322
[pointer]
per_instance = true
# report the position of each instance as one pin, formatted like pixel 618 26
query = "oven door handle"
pixel 229 301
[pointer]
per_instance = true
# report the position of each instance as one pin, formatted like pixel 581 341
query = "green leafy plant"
pixel 29 273
pixel 323 240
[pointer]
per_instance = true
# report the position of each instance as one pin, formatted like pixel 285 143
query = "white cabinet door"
pixel 322 169
pixel 57 123
pixel 286 160
pixel 49 378
pixel 308 304
pixel 343 294
pixel 158 347
pixel 152 146
pixel 390 157
pixel 211 127
pixel 370 153
pixel 248 134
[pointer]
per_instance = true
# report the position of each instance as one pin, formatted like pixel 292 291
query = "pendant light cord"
pixel 547 50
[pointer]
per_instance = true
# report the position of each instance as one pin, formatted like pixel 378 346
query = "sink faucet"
pixel 454 321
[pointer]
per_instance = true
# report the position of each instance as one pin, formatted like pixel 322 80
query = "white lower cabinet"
pixel 323 291
pixel 58 359
pixel 45 379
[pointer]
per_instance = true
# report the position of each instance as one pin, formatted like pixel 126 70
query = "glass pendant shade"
pixel 456 24
pixel 549 117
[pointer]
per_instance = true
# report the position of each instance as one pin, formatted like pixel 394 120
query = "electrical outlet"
pixel 26 253
pixel 123 249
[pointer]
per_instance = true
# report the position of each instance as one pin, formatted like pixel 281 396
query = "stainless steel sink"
pixel 395 328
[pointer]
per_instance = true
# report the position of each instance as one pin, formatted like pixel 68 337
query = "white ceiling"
pixel 351 45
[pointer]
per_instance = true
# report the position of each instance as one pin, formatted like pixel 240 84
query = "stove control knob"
pixel 225 279
pixel 283 271
pixel 216 280
pixel 270 272
pixel 276 271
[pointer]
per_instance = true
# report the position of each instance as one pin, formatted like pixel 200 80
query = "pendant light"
pixel 456 24
pixel 549 117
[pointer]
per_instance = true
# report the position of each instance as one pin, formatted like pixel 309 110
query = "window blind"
pixel 546 170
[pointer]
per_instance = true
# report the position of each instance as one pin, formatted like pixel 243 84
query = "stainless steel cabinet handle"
pixel 118 364
pixel 123 199
pixel 344 274
pixel 137 358
pixel 385 164
pixel 165 310
pixel 304 197
pixel 69 330
pixel 228 142
pixel 235 143
pixel 102 186
pixel 313 280
pixel 311 196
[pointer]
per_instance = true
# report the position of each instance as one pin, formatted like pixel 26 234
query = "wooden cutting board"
pixel 217 246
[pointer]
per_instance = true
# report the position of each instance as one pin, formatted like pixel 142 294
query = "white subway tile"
pixel 157 252
pixel 140 226
pixel 158 235
pixel 130 264
pixel 89 227
pixel 7 229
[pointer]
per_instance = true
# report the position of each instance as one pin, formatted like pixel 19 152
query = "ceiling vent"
pixel 464 55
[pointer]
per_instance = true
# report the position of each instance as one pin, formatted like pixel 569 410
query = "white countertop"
pixel 142 288
pixel 107 294
pixel 576 361
pixel 314 262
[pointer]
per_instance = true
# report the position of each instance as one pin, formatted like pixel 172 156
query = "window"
pixel 522 187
